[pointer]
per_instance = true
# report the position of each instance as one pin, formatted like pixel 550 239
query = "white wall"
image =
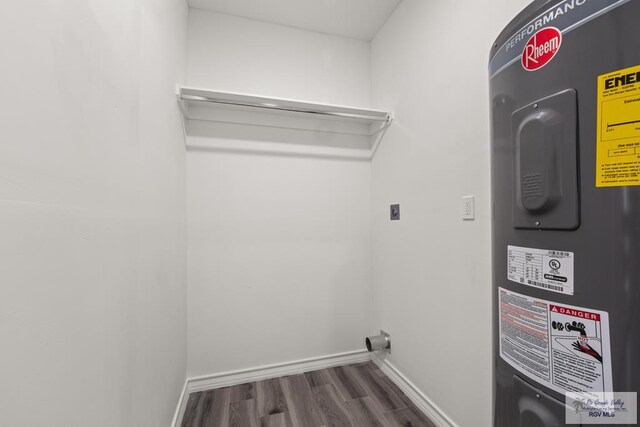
pixel 431 275
pixel 92 213
pixel 279 245
pixel 243 55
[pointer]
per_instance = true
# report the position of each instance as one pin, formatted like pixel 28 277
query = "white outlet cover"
pixel 468 208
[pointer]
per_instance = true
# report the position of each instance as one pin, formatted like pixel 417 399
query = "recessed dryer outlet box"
pixel 394 212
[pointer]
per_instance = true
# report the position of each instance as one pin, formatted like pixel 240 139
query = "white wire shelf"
pixel 230 107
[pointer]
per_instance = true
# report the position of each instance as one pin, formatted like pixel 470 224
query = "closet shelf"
pixel 230 107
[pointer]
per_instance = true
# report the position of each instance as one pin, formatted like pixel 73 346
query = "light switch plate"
pixel 468 208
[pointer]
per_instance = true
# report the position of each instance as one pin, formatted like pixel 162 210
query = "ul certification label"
pixel 542 268
pixel 562 347
pixel 618 128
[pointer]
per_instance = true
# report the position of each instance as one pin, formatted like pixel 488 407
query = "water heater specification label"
pixel 562 347
pixel 618 133
pixel 546 269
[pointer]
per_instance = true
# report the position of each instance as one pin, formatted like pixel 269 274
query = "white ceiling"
pixel 360 19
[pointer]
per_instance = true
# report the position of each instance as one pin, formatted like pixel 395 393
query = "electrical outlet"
pixel 468 208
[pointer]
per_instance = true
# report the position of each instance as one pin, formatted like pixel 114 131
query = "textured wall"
pixel 92 213
pixel 279 242
pixel 431 270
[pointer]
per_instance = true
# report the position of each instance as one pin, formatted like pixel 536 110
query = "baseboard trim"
pixel 225 379
pixel 182 405
pixel 423 403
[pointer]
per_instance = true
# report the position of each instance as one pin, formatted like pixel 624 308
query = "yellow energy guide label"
pixel 618 137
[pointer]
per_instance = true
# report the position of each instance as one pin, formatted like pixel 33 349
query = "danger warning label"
pixel 562 347
pixel 618 128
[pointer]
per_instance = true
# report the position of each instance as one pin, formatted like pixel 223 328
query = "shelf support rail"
pixel 308 109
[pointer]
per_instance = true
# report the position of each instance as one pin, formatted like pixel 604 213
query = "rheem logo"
pixel 541 48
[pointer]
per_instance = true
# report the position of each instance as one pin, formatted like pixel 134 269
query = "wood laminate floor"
pixel 354 395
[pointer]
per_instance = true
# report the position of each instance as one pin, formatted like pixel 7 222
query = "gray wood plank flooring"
pixel 243 413
pixel 358 395
pixel 270 398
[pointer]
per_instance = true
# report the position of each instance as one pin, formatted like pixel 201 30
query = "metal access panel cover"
pixel 536 408
pixel 545 163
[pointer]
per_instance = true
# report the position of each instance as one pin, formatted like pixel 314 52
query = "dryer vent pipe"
pixel 378 342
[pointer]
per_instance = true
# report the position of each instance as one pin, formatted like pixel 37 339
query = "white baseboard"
pixel 423 403
pixel 225 379
pixel 242 376
pixel 182 405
